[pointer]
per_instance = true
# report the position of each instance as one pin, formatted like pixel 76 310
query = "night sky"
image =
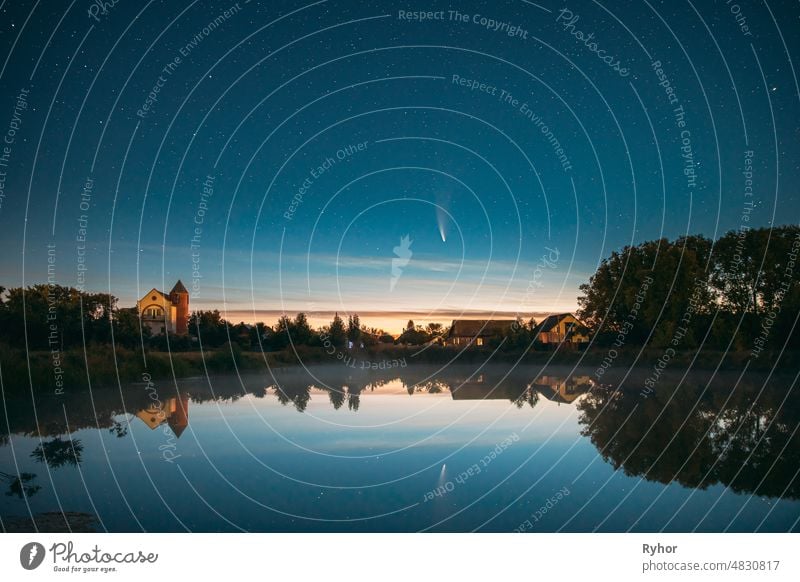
pixel 273 155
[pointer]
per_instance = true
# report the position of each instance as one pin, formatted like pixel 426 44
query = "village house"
pixel 477 332
pixel 165 313
pixel 562 328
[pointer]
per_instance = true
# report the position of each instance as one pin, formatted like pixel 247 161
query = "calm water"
pixel 339 449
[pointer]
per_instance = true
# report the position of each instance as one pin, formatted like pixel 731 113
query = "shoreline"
pixel 109 367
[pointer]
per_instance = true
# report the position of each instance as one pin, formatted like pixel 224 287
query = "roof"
pixel 480 327
pixel 178 288
pixel 549 322
pixel 154 290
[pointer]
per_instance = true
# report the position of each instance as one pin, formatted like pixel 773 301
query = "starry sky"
pixel 430 160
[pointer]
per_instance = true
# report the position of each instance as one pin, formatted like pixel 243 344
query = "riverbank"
pixel 104 366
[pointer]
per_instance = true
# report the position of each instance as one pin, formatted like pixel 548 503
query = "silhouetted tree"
pixel 57 452
pixel 209 327
pixel 353 328
pixel 128 331
pixel 20 485
pixel 301 331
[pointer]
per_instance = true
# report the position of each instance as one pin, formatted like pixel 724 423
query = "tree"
pixel 519 337
pixel 433 328
pixel 650 289
pixel 210 328
pixel 413 337
pixel 54 316
pixel 353 328
pixel 281 331
pixel 128 331
pixel 749 267
pixel 301 330
pixel 337 331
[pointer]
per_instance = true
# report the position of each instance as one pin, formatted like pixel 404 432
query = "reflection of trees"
pixel 297 393
pixel 460 384
pixel 730 445
pixel 20 485
pixel 118 429
pixel 530 396
pixel 354 397
pixel 337 397
pixel 57 453
pixel 436 386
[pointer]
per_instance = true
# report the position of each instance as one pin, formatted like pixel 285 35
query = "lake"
pixel 414 448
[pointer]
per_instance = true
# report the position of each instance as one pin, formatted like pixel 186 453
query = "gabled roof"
pixel 154 290
pixel 479 327
pixel 178 288
pixel 549 322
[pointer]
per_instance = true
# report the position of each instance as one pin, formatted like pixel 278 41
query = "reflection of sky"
pixel 239 458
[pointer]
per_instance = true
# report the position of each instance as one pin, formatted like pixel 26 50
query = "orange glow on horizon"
pixel 391 322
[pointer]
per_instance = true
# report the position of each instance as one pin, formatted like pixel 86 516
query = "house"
pixel 165 313
pixel 562 328
pixel 477 332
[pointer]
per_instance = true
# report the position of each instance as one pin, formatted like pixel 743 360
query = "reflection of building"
pixel 173 411
pixel 477 332
pixel 563 327
pixel 488 391
pixel 562 390
pixel 165 313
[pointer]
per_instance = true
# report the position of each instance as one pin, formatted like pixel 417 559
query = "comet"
pixel 442 474
pixel 442 222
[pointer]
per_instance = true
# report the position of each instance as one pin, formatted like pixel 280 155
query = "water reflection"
pixel 481 386
pixel 58 452
pixel 745 438
pixel 696 435
pixel 21 485
pixel 173 412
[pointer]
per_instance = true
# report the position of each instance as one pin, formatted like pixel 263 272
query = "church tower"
pixel 180 298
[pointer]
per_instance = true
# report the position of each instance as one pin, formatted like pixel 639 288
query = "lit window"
pixel 480 341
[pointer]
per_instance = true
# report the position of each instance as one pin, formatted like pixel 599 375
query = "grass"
pixel 109 366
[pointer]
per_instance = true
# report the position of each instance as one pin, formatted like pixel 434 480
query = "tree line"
pixel 741 292
pixel 55 317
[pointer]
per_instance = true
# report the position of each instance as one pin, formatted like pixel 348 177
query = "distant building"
pixel 562 328
pixel 165 313
pixel 477 332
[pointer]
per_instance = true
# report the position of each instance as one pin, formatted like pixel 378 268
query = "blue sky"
pixel 474 179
